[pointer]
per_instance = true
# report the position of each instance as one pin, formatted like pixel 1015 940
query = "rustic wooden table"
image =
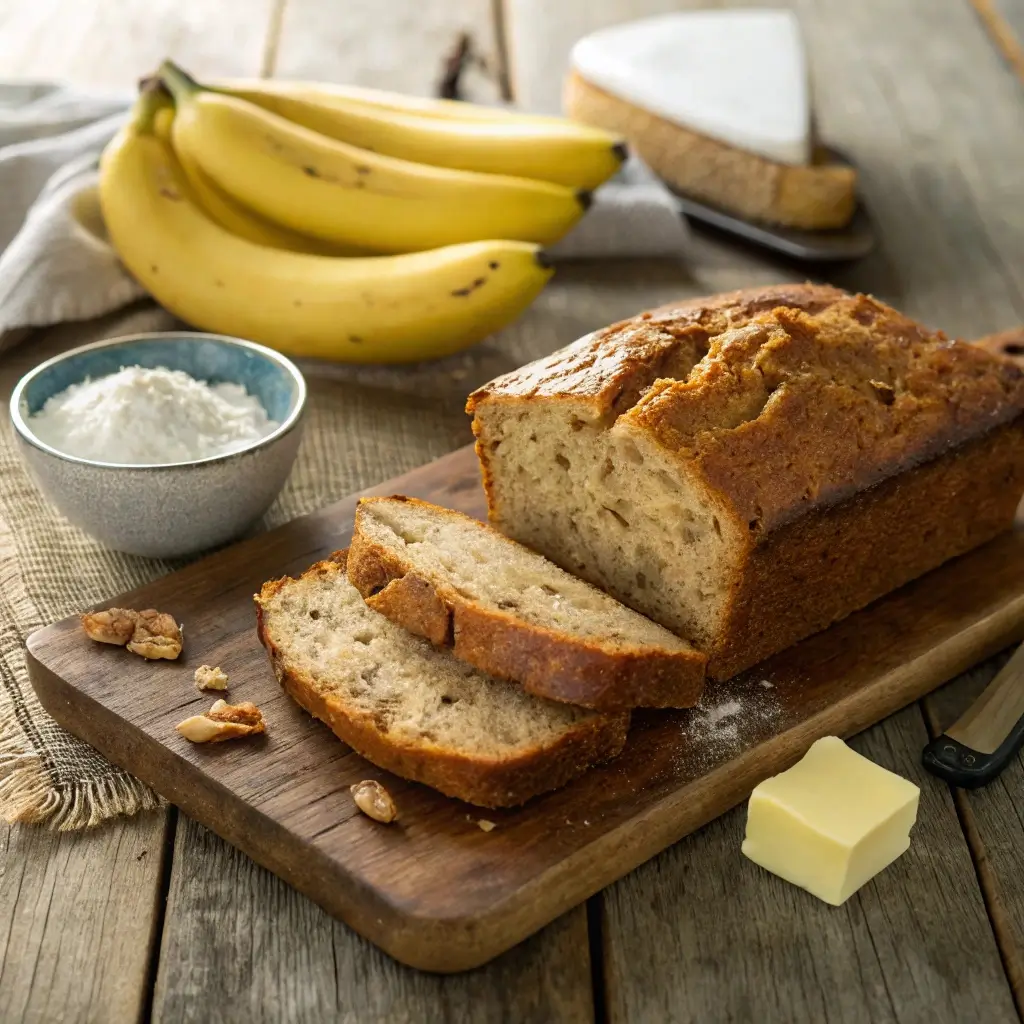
pixel 157 918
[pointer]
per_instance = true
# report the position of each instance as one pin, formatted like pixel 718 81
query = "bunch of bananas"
pixel 343 223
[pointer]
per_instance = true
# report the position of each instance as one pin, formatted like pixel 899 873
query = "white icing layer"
pixel 739 76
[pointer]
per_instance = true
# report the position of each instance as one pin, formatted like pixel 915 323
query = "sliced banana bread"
pixel 416 710
pixel 511 612
pixel 748 468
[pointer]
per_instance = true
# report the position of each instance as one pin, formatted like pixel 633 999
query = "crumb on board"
pixel 149 633
pixel 156 635
pixel 209 677
pixel 223 722
pixel 486 826
pixel 374 801
pixel 112 626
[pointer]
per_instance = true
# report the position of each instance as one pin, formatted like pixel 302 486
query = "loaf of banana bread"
pixel 748 468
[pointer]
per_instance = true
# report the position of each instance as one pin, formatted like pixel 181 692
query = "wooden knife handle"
pixel 987 736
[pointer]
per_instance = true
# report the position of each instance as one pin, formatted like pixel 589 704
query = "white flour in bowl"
pixel 139 416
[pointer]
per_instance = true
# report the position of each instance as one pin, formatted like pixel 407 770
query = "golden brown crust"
pixel 803 396
pixel 826 565
pixel 398 595
pixel 817 196
pixel 606 372
pixel 1008 344
pixel 545 662
pixel 798 411
pixel 486 783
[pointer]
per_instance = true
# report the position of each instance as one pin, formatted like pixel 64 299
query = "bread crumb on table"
pixel 149 633
pixel 113 626
pixel 374 801
pixel 210 678
pixel 223 722
pixel 486 826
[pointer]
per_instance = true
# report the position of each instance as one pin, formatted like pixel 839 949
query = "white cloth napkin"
pixel 56 263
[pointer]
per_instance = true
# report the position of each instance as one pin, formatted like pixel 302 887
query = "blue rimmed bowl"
pixel 177 508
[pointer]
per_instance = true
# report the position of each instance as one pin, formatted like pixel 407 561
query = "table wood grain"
pixel 923 94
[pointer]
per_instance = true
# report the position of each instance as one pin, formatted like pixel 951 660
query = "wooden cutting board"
pixel 435 890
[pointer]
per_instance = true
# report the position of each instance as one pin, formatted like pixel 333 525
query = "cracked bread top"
pixel 782 399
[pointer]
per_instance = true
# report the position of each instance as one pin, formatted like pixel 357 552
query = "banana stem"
pixel 147 106
pixel 180 83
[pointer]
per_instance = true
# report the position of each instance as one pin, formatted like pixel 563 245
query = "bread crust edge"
pixel 886 535
pixel 544 662
pixel 497 783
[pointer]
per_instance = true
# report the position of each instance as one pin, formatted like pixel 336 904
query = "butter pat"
pixel 831 822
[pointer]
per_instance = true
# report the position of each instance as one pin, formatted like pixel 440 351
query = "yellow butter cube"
pixel 831 822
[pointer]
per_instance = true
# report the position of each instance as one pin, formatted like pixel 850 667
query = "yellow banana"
pixel 342 194
pixel 329 93
pixel 234 217
pixel 361 309
pixel 558 151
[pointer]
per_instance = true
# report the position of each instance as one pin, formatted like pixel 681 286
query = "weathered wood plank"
pixel 240 945
pixel 78 917
pixel 937 158
pixel 399 45
pixel 541 34
pixel 702 934
pixel 112 45
pixel 993 819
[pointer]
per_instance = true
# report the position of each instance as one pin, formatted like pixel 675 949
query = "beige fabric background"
pixel 364 425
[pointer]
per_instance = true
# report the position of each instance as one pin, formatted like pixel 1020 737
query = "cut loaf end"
pixel 611 508
pixel 749 468
pixel 415 710
pixel 509 611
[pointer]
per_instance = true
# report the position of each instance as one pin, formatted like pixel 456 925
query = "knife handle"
pixel 987 736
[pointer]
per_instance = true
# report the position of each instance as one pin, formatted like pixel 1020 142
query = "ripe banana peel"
pixel 350 196
pixel 228 213
pixel 548 150
pixel 351 309
pixel 330 93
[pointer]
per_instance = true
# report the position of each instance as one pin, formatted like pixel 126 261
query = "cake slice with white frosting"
pixel 718 103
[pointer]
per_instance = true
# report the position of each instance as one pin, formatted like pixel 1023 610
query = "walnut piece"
pixel 114 626
pixel 223 722
pixel 156 635
pixel 374 801
pixel 210 678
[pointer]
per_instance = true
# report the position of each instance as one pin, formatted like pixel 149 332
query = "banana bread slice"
pixel 511 612
pixel 416 710
pixel 747 469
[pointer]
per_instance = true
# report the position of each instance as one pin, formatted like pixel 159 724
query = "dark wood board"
pixel 436 891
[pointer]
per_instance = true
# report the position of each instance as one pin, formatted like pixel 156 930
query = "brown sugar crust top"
pixel 611 368
pixel 788 398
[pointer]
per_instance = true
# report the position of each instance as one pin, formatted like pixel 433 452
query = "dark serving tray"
pixel 857 239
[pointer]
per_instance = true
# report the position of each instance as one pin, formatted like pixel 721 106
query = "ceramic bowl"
pixel 180 508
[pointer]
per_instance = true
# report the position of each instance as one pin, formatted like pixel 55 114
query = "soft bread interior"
pixel 455 552
pixel 609 507
pixel 412 691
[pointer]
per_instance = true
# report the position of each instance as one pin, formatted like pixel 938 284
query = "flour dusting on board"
pixel 727 719
pixel 719 722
